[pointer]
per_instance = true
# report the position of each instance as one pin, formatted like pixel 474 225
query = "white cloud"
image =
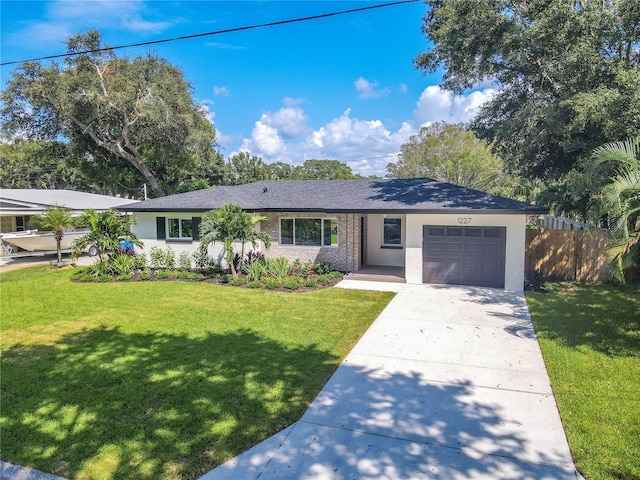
pixel 220 91
pixel 292 102
pixel 365 145
pixel 63 18
pixel 138 24
pixel 98 8
pixel 367 89
pixel 436 104
pixel 403 88
pixel 206 105
pixel 225 46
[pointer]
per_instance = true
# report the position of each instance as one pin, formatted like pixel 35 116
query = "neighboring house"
pixel 17 206
pixel 439 232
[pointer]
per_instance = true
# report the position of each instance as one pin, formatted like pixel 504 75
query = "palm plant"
pixel 57 220
pixel 229 224
pixel 106 230
pixel 620 199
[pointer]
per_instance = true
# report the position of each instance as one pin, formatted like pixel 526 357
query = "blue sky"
pixel 342 87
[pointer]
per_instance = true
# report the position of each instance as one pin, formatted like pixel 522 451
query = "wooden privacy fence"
pixel 568 254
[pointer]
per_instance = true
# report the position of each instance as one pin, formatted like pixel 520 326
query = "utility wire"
pixel 216 32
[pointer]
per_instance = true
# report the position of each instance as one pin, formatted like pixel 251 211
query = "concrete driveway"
pixel 448 382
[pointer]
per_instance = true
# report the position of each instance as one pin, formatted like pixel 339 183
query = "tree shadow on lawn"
pixel 106 404
pixel 604 319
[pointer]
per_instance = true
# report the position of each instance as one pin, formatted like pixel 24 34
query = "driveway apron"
pixel 448 382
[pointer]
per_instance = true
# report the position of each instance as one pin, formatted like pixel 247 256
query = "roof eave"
pixel 396 211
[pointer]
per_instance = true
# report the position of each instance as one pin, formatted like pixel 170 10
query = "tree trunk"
pixel 59 248
pixel 124 149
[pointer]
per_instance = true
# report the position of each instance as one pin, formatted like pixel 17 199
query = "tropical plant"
pixel 57 220
pixel 254 270
pixel 229 224
pixel 620 199
pixel 123 264
pixel 106 230
pixel 278 267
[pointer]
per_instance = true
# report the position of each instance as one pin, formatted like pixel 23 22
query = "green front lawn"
pixel 160 379
pixel 590 339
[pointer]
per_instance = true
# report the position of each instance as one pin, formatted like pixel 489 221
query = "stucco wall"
pixel 345 256
pixel 145 229
pixel 515 243
pixel 376 253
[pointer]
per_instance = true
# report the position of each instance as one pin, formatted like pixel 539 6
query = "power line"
pixel 215 32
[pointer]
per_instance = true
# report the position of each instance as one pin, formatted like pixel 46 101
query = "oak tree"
pixel 568 73
pixel 449 153
pixel 140 109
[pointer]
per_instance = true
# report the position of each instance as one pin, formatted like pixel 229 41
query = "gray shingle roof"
pixel 42 198
pixel 412 195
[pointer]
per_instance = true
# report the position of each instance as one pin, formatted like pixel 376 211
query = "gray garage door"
pixel 464 255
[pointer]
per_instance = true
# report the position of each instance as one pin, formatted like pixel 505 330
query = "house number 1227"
pixel 464 220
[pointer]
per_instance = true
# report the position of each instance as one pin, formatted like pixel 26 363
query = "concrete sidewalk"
pixel 448 382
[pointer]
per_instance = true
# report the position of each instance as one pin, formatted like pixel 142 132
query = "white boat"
pixel 32 241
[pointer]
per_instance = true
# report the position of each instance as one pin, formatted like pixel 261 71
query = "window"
pixel 330 232
pixel 21 224
pixel 179 228
pixel 392 232
pixel 309 231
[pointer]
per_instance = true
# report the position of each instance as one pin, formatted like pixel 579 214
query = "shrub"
pixel 124 276
pixel 79 272
pixel 144 276
pixel 255 256
pixel 311 282
pixel 102 268
pixel 238 282
pixel 169 259
pixel 323 268
pixel 85 277
pixel 226 278
pixel 325 279
pixel 139 262
pixel 291 283
pixel 189 275
pixel 278 267
pixel 254 270
pixel 336 274
pixel 162 274
pixel 184 261
pixel 103 278
pixel 255 284
pixel 303 269
pixel 238 262
pixel 122 264
pixel 202 260
pixel 156 258
pixel 272 283
pixel 534 281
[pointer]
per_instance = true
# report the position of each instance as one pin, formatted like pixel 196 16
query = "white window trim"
pixel 168 230
pixel 391 245
pixel 322 244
